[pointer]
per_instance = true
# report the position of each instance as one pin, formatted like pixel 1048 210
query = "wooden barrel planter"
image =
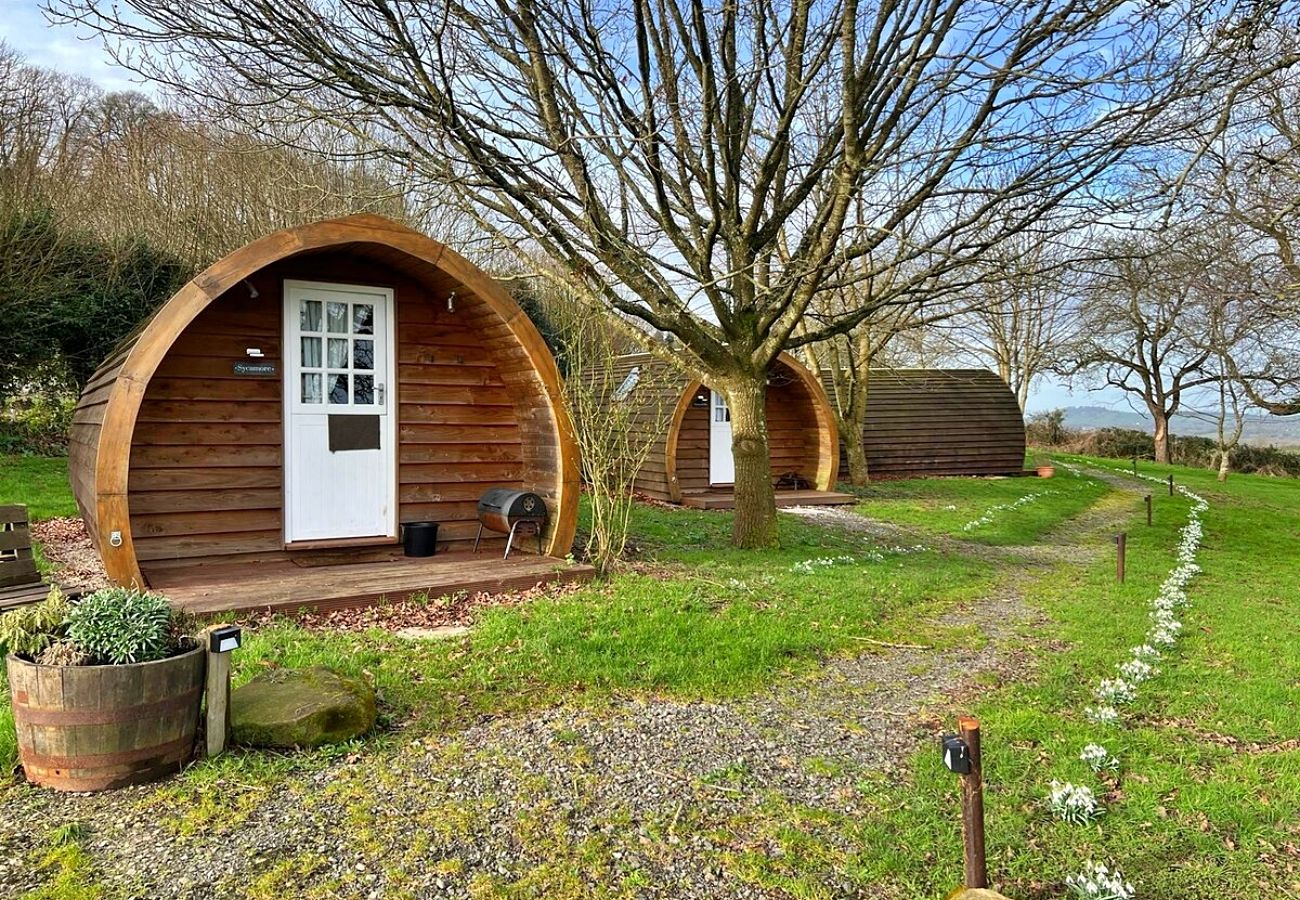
pixel 91 728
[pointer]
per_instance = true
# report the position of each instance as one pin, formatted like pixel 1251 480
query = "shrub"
pixel 29 630
pixel 122 625
pixel 34 424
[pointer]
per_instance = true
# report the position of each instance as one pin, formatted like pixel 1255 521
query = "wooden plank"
pixel 16 538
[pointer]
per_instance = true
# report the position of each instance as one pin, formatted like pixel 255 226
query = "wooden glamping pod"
pixel 259 441
pixel 691 462
pixel 942 422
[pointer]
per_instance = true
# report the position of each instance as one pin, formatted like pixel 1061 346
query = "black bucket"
pixel 420 538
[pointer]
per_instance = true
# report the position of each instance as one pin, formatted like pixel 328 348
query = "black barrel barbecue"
pixel 511 512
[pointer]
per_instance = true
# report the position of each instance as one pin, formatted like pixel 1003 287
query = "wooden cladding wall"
pixel 942 422
pixel 207 462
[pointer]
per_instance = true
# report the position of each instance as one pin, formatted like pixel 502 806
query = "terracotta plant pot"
pixel 90 728
pixel 1046 471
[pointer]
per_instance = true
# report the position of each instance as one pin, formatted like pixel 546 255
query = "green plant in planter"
pixel 29 630
pixel 122 625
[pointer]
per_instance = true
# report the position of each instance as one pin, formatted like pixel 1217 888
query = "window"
pixel 629 384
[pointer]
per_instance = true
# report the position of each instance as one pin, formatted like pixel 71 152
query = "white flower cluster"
pixel 1116 692
pixel 1102 715
pixel 1096 882
pixel 990 514
pixel 872 555
pixel 1099 759
pixel 1073 803
pixel 808 566
pixel 1135 671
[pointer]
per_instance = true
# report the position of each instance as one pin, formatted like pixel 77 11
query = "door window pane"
pixel 363 318
pixel 363 354
pixel 338 353
pixel 311 353
pixel 309 315
pixel 311 387
pixel 338 388
pixel 363 389
pixel 336 318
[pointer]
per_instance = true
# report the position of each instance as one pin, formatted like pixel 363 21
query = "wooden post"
pixel 218 691
pixel 1135 464
pixel 1148 500
pixel 972 806
pixel 1121 542
pixel 1171 485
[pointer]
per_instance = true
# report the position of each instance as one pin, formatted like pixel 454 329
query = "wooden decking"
pixel 717 498
pixel 283 585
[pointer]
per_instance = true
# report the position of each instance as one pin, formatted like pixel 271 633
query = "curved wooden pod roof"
pixel 942 422
pixel 106 414
pixel 675 391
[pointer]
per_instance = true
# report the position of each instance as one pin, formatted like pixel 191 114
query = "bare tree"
pixel 666 153
pixel 1138 311
pixel 1019 315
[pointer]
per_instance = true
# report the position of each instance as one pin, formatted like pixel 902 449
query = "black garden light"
pixel 225 639
pixel 956 754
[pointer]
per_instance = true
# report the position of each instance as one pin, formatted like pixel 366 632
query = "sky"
pixel 24 27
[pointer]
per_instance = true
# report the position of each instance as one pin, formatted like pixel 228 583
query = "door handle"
pixel 379 395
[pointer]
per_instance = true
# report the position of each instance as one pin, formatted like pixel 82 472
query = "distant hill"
pixel 1280 431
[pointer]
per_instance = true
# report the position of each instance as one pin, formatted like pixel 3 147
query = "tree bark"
pixel 1161 436
pixel 856 452
pixel 1225 464
pixel 755 522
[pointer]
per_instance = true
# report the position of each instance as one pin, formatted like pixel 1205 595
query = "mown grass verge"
pixel 957 507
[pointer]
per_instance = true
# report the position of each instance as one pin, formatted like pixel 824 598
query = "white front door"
pixel 722 464
pixel 340 441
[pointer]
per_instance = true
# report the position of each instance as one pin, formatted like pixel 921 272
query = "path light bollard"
pixel 961 754
pixel 1171 485
pixel 1121 545
pixel 1147 498
pixel 222 641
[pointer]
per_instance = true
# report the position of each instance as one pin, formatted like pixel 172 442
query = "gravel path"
pixel 646 797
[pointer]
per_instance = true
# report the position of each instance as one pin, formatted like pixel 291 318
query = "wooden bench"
pixel 20 582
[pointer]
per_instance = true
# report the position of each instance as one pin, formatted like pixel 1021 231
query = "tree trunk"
pixel 1161 436
pixel 755 522
pixel 856 453
pixel 1225 464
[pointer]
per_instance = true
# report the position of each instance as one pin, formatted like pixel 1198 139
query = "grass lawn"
pixel 39 482
pixel 975 509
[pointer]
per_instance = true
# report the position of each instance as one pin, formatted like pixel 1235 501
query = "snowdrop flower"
pixel 1073 803
pixel 1102 715
pixel 1099 759
pixel 1115 691
pixel 1146 653
pixel 1096 882
pixel 1136 671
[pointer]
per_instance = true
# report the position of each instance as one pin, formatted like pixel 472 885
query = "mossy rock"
pixel 301 708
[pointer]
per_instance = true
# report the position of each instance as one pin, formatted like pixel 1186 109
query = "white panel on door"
pixel 722 464
pixel 340 476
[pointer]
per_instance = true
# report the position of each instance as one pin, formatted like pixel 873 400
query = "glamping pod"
pixel 941 422
pixel 275 422
pixel 691 461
